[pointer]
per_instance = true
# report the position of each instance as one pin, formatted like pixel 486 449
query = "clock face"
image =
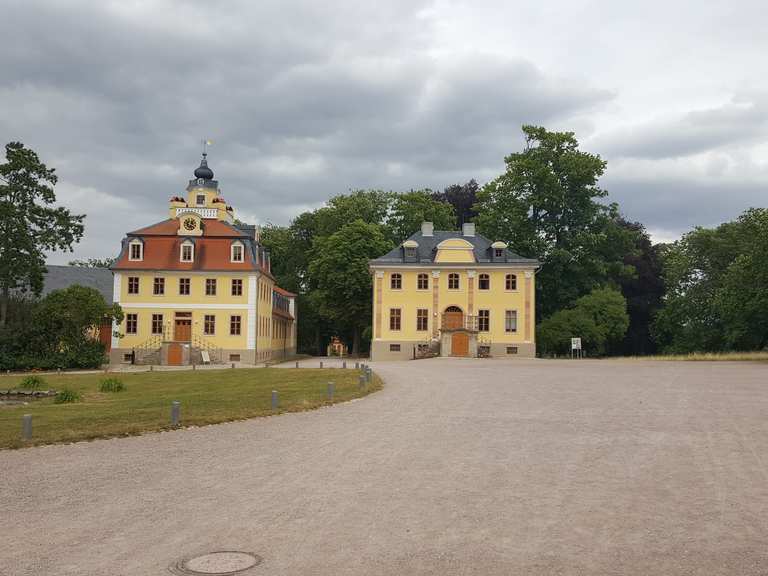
pixel 190 224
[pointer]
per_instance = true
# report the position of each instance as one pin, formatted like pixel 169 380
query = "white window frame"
pixel 232 252
pixel 133 243
pixel 507 318
pixel 191 251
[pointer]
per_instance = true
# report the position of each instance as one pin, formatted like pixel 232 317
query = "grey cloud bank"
pixel 306 100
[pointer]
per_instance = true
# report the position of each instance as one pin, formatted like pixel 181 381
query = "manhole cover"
pixel 222 563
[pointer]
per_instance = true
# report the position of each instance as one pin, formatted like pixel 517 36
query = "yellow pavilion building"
pixel 198 287
pixel 452 294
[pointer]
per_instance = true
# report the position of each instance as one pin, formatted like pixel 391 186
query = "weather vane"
pixel 205 143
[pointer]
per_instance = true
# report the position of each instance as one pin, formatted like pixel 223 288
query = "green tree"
pixel 93 263
pixel 600 319
pixel 702 295
pixel 371 206
pixel 339 267
pixel 29 224
pixel 547 206
pixel 410 209
pixel 61 331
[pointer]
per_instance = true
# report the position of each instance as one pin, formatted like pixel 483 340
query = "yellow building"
pixel 452 294
pixel 198 286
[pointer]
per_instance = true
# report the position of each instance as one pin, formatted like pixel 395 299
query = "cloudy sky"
pixel 304 100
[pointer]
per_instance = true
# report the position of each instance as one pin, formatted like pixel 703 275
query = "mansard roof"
pixel 427 249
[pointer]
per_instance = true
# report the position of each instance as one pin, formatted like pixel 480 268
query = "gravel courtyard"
pixel 487 467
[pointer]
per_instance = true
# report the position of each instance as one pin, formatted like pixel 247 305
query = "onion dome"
pixel 203 171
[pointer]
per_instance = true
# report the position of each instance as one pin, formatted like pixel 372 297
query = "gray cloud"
pixel 303 101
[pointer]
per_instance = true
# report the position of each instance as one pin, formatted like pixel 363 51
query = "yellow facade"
pixel 492 298
pixel 197 286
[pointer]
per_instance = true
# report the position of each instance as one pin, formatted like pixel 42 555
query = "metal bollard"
pixel 194 367
pixel 274 400
pixel 175 412
pixel 344 364
pixel 26 427
pixel 233 365
pixel 297 363
pixel 331 389
pixel 151 368
pixel 357 365
pixel 321 363
pixel 361 382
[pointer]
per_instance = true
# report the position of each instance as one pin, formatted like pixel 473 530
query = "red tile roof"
pixel 170 227
pixel 162 253
pixel 284 292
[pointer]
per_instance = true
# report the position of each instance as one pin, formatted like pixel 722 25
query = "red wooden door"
pixel 460 344
pixel 174 354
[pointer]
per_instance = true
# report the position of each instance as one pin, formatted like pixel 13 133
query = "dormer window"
pixel 237 252
pixel 498 252
pixel 187 252
pixel 200 199
pixel 410 253
pixel 136 250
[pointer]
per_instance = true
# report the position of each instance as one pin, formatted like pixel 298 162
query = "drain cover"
pixel 222 563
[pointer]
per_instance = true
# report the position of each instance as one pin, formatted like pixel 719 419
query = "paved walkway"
pixel 458 467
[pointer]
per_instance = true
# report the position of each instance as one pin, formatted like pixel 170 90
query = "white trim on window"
pixel 241 252
pixel 133 243
pixel 191 246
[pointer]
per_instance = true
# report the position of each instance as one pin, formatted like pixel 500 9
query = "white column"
pixel 116 279
pixel 252 312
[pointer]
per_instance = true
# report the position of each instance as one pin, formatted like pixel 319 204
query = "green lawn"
pixel 708 357
pixel 206 396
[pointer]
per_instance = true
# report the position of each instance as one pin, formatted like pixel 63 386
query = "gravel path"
pixel 487 467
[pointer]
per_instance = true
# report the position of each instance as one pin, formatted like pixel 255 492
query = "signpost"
pixel 576 348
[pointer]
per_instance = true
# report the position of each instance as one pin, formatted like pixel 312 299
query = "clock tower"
pixel 203 198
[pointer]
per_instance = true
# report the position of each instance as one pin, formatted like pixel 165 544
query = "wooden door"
pixel 453 319
pixel 460 344
pixel 174 354
pixel 182 330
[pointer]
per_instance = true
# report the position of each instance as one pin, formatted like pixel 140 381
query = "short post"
pixel 357 365
pixel 361 381
pixel 344 364
pixel 331 389
pixel 175 412
pixel 26 427
pixel 193 366
pixel 151 367
pixel 368 373
pixel 274 400
pixel 297 363
pixel 233 365
pixel 321 363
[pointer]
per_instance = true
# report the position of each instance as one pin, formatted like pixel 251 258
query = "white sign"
pixel 575 343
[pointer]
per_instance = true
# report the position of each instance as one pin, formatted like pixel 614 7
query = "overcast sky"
pixel 305 100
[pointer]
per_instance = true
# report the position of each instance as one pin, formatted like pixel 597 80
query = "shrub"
pixel 67 396
pixel 111 385
pixel 32 383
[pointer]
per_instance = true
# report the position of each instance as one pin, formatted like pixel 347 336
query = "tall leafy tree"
pixel 643 291
pixel 410 209
pixel 547 205
pixel 29 223
pixel 339 266
pixel 463 198
pixel 714 288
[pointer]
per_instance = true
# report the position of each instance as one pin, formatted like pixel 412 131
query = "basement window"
pixel 234 357
pixel 511 349
pixel 394 347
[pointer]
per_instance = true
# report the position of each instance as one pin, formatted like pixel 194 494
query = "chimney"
pixel 468 229
pixel 268 259
pixel 427 229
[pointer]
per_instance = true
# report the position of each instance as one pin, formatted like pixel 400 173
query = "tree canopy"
pixel 30 225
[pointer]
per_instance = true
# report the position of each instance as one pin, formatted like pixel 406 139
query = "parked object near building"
pixel 200 282
pixel 453 294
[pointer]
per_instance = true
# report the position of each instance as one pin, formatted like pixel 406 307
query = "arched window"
pixel 453 281
pixel 396 281
pixel 511 282
pixel 484 282
pixel 422 282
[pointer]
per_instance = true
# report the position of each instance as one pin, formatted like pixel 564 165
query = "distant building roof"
pixel 59 277
pixel 427 248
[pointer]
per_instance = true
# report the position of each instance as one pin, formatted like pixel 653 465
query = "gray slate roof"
pixel 428 248
pixel 59 277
